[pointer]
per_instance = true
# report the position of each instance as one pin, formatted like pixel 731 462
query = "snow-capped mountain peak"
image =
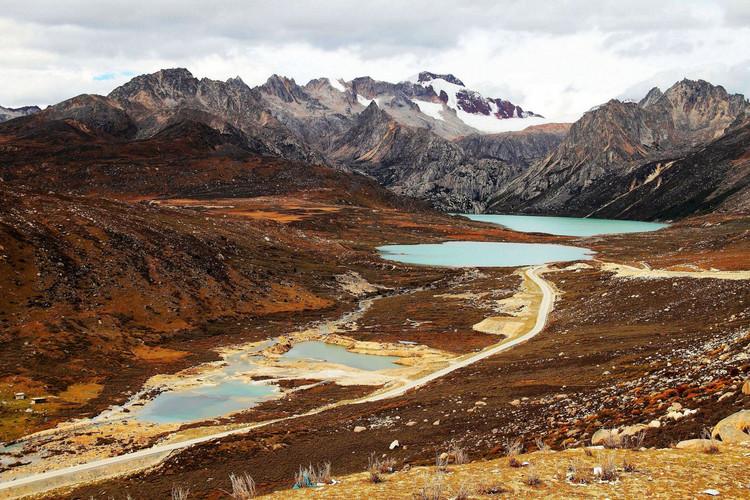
pixel 472 108
pixel 426 76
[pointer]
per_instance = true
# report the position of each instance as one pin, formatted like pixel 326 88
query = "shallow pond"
pixel 320 351
pixel 227 392
pixel 566 226
pixel 483 254
pixel 206 401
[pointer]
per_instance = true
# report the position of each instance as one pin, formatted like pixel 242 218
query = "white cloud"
pixel 555 58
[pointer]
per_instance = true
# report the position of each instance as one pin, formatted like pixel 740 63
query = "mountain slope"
pixel 716 177
pixel 157 100
pixel 452 175
pixel 604 152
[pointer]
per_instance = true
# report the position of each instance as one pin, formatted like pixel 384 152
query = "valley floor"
pixel 621 348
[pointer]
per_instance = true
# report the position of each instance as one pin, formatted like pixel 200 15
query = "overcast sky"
pixel 558 58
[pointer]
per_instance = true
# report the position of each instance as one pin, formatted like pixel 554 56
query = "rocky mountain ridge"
pixel 618 147
pixel 414 138
pixel 325 121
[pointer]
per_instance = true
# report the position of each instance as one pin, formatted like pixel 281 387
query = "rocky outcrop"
pixel 620 146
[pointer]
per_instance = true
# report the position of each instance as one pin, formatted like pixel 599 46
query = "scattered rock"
pixel 674 407
pixel 725 396
pixel 632 430
pixel 694 444
pixel 436 422
pixel 602 436
pixel 734 428
pixel 359 428
pixel 411 423
pixel 654 424
pixel 393 445
pixel 711 491
pixel 515 402
pixel 746 387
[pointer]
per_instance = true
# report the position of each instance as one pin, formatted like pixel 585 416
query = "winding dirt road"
pixel 108 467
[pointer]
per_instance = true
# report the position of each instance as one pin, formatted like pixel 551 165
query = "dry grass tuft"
pixel 541 445
pixel 180 493
pixel 377 466
pixel 629 466
pixel 608 470
pixel 243 486
pixel 463 492
pixel 612 441
pixel 491 489
pixel 712 447
pixel 634 442
pixel 458 453
pixel 513 447
pixel 532 478
pixel 432 487
pixel 324 473
pixel 311 475
pixel 579 475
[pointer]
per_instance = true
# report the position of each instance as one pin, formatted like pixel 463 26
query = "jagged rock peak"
pixel 653 96
pixel 236 81
pixel 284 88
pixel 165 83
pixel 372 109
pixel 426 76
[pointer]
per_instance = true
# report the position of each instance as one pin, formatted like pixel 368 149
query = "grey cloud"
pixel 138 25
pixel 50 50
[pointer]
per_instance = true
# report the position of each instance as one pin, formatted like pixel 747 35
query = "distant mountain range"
pixel 676 152
pixel 10 113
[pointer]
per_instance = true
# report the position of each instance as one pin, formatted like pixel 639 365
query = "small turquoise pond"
pixel 320 351
pixel 482 254
pixel 566 226
pixel 204 402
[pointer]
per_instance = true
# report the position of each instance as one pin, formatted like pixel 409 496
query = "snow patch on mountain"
pixel 365 102
pixel 451 89
pixel 493 125
pixel 474 109
pixel 336 84
pixel 431 109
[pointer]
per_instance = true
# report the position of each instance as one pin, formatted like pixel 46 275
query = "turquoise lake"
pixel 320 351
pixel 482 254
pixel 566 226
